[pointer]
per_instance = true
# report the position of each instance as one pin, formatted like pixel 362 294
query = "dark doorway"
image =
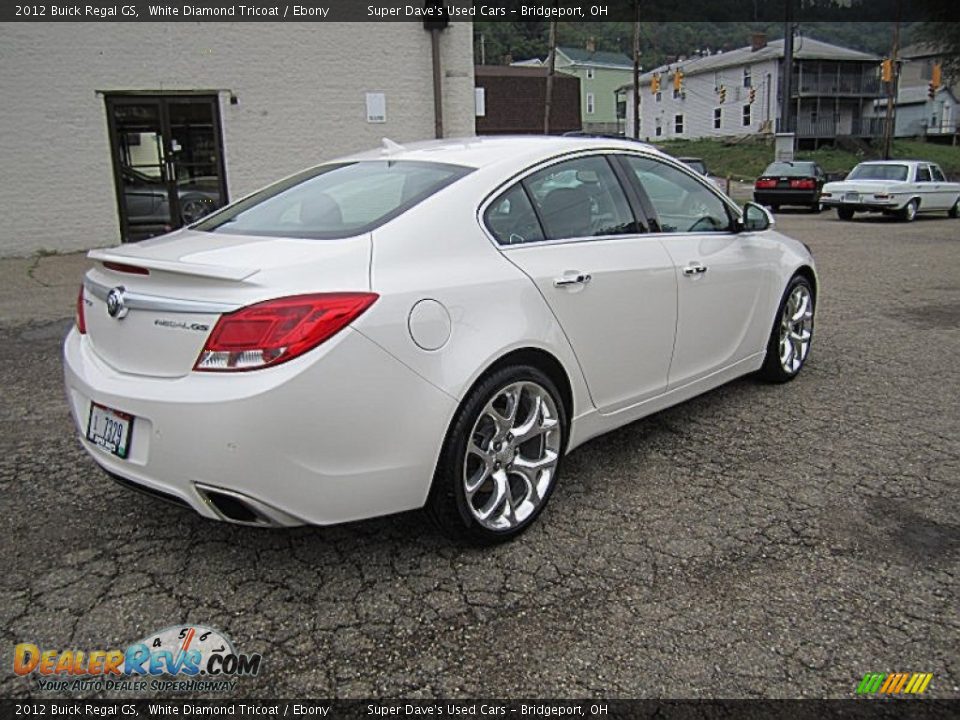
pixel 167 161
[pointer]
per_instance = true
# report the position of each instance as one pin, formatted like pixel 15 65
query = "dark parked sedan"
pixel 795 182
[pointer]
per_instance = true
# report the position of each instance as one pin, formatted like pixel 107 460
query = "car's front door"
pixel 725 279
pixel 571 228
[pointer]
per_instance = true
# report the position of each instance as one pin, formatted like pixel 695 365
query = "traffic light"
pixel 753 94
pixel 936 75
pixel 723 93
pixel 655 83
pixel 886 70
pixel 678 80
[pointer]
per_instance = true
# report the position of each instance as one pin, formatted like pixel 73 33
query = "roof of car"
pixel 481 151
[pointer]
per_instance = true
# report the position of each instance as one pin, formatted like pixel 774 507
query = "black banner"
pixel 481 10
pixel 903 709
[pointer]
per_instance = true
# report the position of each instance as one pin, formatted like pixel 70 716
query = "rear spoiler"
pixel 217 272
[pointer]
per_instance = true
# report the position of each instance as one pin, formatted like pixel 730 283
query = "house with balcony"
pixel 738 92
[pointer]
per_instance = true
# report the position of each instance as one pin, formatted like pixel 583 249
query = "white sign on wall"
pixel 480 101
pixel 376 108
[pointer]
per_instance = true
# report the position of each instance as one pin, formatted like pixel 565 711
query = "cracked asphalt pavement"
pixel 759 541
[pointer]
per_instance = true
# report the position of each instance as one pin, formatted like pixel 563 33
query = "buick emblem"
pixel 115 307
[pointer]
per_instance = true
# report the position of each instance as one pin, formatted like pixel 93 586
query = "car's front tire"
pixel 500 460
pixel 789 345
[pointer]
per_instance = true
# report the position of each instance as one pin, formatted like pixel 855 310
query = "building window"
pixel 746 115
pixel 590 106
pixel 659 96
pixel 659 130
pixel 590 74
pixel 717 117
pixel 677 93
pixel 926 70
pixel 747 79
pixel 678 124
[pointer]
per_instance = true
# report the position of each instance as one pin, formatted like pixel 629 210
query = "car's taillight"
pixel 124 268
pixel 764 183
pixel 81 318
pixel 272 332
pixel 805 184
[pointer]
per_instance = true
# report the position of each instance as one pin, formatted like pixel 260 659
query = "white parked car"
pixel 426 326
pixel 893 187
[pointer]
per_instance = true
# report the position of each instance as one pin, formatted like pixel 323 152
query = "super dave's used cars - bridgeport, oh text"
pixel 430 326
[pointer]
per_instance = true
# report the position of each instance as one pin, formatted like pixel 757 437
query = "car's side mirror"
pixel 755 218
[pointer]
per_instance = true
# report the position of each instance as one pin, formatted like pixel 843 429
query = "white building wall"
pixel 300 86
pixel 700 99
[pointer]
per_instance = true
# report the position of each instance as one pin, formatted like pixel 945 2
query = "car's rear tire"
pixel 954 212
pixel 815 208
pixel 501 457
pixel 789 345
pixel 844 213
pixel 909 211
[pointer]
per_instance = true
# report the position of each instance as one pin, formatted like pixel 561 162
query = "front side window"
pixel 511 218
pixel 580 198
pixel 335 201
pixel 937 173
pixel 682 203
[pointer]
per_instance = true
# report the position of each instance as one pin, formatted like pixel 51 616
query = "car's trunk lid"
pixel 168 293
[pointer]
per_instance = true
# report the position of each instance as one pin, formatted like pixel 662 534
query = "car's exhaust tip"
pixel 238 508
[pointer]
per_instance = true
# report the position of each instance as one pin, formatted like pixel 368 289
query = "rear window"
pixel 878 172
pixel 790 169
pixel 335 201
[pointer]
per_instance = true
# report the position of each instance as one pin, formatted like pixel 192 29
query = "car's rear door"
pixel 724 278
pixel 571 228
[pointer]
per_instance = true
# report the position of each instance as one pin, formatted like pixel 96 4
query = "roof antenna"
pixel 391 146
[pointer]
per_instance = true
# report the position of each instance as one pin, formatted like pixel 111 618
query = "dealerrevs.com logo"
pixel 190 658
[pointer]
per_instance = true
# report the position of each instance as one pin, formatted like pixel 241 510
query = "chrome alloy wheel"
pixel 796 329
pixel 512 455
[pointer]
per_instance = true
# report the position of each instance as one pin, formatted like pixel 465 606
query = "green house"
pixel 600 73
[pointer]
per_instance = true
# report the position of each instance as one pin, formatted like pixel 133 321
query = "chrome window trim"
pixel 157 303
pixel 735 209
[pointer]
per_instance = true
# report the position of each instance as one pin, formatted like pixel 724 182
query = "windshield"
pixel 335 201
pixel 878 172
pixel 790 169
pixel 696 165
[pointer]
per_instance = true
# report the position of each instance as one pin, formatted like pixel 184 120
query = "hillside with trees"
pixel 497 43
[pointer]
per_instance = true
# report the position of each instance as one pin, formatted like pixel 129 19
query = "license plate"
pixel 109 429
pixel 851 197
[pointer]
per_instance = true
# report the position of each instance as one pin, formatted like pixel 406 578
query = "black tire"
pixel 447 503
pixel 773 369
pixel 954 212
pixel 774 208
pixel 844 213
pixel 909 212
pixel 815 208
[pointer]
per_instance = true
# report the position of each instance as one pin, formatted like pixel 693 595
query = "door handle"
pixel 694 269
pixel 572 279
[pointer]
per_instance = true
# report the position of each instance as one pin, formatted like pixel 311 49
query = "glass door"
pixel 168 161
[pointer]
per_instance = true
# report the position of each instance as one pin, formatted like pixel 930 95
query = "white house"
pixel 737 93
pixel 118 131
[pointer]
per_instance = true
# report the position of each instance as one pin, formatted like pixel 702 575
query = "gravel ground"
pixel 758 541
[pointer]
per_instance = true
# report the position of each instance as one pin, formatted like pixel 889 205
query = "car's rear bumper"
pixel 343 433
pixel 864 205
pixel 785 197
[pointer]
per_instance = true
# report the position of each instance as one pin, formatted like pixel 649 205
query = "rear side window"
pixel 923 174
pixel 511 218
pixel 580 198
pixel 335 201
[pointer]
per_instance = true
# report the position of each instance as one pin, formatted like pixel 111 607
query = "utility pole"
pixel 891 116
pixel 785 91
pixel 636 73
pixel 550 69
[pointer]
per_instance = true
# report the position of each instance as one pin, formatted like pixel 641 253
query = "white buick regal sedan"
pixel 902 188
pixel 430 326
